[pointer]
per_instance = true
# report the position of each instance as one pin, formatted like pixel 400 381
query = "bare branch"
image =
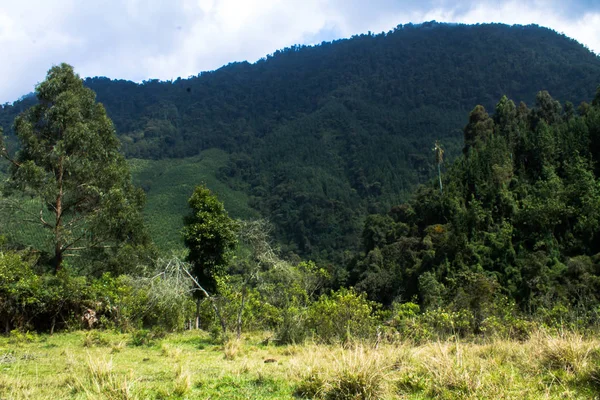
pixel 4 154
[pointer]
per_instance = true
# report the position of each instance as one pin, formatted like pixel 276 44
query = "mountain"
pixel 317 137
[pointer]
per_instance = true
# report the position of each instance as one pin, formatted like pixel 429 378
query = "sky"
pixel 166 39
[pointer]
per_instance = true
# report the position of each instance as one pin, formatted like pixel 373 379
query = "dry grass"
pixel 183 381
pixel 567 351
pixel 99 380
pixel 340 373
pixel 232 349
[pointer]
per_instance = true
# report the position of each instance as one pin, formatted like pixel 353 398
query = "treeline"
pixel 321 136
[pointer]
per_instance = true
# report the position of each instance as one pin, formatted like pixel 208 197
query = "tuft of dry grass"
pixel 449 369
pixel 568 351
pixel 183 381
pixel 170 351
pixel 99 378
pixel 359 373
pixel 95 339
pixel 232 348
pixel 117 347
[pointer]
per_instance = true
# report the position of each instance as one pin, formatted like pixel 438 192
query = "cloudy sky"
pixel 166 39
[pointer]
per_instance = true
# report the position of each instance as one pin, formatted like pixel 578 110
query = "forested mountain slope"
pixel 319 137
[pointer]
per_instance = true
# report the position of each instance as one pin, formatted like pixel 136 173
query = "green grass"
pixel 189 365
pixel 170 182
pixel 185 365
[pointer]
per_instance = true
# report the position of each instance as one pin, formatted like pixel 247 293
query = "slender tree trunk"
pixel 212 302
pixel 240 312
pixel 197 313
pixel 58 250
pixel 58 258
pixel 440 177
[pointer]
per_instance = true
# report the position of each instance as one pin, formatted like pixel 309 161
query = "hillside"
pixel 318 137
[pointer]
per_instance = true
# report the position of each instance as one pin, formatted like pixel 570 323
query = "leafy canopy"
pixel 69 160
pixel 210 235
pixel 518 220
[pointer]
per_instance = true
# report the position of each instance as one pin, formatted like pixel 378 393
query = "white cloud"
pixel 137 40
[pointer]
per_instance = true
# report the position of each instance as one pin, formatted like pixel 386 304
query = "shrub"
pixel 342 316
pixel 311 386
pixel 20 291
pixel 145 337
pixel 292 328
pixel 444 323
pixel 133 303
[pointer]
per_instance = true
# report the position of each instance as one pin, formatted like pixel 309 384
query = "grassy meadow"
pixel 190 365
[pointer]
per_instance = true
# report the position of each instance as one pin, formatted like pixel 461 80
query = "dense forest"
pixel 517 216
pixel 320 136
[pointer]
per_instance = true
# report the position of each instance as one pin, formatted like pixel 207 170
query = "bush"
pixel 129 303
pixel 292 327
pixel 20 291
pixel 342 316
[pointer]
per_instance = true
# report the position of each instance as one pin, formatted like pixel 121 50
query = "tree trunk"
pixel 440 177
pixel 240 312
pixel 58 258
pixel 58 250
pixel 197 313
pixel 212 302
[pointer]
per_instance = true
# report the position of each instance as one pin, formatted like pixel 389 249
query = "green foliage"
pixel 210 235
pixel 69 161
pixel 342 316
pixel 145 337
pixel 518 224
pixel 263 291
pixel 59 301
pixel 19 288
pixel 168 184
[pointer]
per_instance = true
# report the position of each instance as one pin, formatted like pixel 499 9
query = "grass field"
pixel 105 365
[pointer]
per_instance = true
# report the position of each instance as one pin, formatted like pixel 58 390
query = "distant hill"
pixel 318 137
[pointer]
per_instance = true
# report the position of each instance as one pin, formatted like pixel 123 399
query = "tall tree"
pixel 210 235
pixel 479 129
pixel 69 159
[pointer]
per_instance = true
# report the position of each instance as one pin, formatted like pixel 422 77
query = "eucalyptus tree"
pixel 69 160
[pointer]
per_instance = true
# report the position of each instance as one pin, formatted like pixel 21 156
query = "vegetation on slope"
pixel 518 217
pixel 320 136
pixel 168 184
